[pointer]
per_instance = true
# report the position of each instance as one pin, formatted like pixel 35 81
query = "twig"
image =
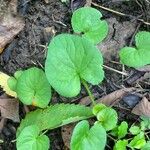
pixel 112 69
pixel 59 22
pixel 119 13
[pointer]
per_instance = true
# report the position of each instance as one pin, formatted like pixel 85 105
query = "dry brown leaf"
pixel 109 99
pixel 10 24
pixel 66 132
pixel 9 108
pixel 143 108
pixel 114 97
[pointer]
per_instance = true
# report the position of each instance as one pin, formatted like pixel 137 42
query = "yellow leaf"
pixel 3 83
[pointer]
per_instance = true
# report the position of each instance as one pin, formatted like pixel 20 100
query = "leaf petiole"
pixel 88 91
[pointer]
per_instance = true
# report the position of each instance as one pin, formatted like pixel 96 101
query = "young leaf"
pixel 139 56
pixel 107 118
pixel 146 121
pixel 3 83
pixel 71 58
pixel 138 141
pixel 33 88
pixel 87 20
pixel 97 108
pixel 146 146
pixel 120 145
pixel 29 138
pixel 122 129
pixel 135 130
pixel 84 138
pixel 55 116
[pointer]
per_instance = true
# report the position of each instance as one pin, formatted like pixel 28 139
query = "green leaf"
pixel 107 118
pixel 33 88
pixel 17 74
pixel 138 141
pixel 55 116
pixel 146 146
pixel 29 138
pixel 139 56
pixel 70 59
pixel 84 138
pixel 135 130
pixel 87 20
pixel 143 40
pixel 146 121
pixel 120 145
pixel 12 82
pixel 122 129
pixel 97 108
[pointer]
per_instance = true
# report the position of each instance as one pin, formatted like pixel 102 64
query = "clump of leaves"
pixel 86 20
pixel 31 86
pixel 140 55
pixel 70 59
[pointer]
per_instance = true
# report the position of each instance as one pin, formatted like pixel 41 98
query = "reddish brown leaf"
pixel 143 108
pixel 9 108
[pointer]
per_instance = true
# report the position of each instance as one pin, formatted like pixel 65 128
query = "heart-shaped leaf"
pixel 120 145
pixel 87 20
pixel 29 138
pixel 33 88
pixel 70 59
pixel 108 118
pixel 139 56
pixel 84 138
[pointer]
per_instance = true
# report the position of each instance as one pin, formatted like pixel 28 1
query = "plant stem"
pixel 89 92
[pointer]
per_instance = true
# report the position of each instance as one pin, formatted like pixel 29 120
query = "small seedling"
pixel 140 55
pixel 72 59
pixel 87 21
pixel 32 87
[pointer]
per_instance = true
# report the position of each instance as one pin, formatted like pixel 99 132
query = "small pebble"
pixel 131 100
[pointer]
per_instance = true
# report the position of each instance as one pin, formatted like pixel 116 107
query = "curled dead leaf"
pixel 143 108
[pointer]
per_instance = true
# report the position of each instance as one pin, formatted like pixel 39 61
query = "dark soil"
pixel 28 49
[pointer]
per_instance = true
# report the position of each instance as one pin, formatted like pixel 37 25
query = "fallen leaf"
pixel 117 37
pixel 109 99
pixel 3 83
pixel 9 108
pixel 143 108
pixel 66 132
pixel 10 24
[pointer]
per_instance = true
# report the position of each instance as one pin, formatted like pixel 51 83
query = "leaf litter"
pixel 9 108
pixel 10 23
